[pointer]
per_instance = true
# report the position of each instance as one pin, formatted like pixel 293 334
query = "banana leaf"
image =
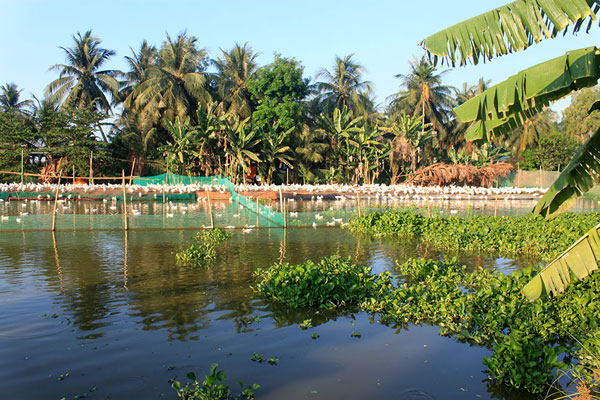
pixel 578 261
pixel 509 104
pixel 577 178
pixel 512 27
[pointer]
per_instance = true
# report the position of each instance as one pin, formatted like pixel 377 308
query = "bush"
pixel 203 252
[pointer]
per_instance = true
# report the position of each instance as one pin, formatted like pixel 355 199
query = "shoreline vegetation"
pixel 534 344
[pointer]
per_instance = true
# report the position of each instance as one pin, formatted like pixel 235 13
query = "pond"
pixel 109 315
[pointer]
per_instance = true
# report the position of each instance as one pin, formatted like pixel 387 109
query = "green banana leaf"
pixel 575 180
pixel 512 27
pixel 509 104
pixel 577 261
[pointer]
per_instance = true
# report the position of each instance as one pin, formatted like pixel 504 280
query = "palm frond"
pixel 509 104
pixel 512 27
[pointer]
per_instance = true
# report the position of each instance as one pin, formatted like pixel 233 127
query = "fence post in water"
pixel 21 165
pixel 73 174
pixel 428 206
pixel 91 171
pixel 541 180
pixel 124 202
pixel 358 202
pixel 257 210
pixel 282 206
pixel 55 202
pixel 212 222
pixel 131 174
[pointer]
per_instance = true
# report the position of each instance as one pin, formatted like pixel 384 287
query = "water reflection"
pixel 120 300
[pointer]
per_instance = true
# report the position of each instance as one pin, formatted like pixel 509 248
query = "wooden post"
pixel 358 202
pixel 22 165
pixel 163 192
pixel 125 227
pixel 55 202
pixel 131 174
pixel 287 176
pixel 428 206
pixel 282 206
pixel 541 181
pixel 91 170
pixel 257 212
pixel 212 222
pixel 73 174
pixel 519 175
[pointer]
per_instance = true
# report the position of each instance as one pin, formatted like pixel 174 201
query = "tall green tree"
pixel 343 86
pixel 576 119
pixel 175 85
pixel 423 93
pixel 279 90
pixel 81 81
pixel 235 67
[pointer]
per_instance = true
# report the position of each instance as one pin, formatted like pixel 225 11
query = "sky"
pixel 382 35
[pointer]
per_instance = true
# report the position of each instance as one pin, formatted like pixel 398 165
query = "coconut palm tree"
pixel 175 85
pixel 10 100
pixel 424 94
pixel 81 81
pixel 234 68
pixel 343 87
pixel 140 65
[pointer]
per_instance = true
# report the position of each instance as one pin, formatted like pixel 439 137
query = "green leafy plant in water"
pixel 527 235
pixel 259 358
pixel 273 360
pixel 306 324
pixel 532 341
pixel 203 252
pixel 330 283
pixel 212 388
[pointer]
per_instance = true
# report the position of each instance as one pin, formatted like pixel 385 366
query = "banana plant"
pixel 241 140
pixel 275 150
pixel 513 27
pixel 578 261
pixel 181 149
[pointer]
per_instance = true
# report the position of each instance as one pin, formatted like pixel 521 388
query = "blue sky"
pixel 383 35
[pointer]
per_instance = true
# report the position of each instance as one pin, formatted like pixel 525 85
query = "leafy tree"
pixel 552 151
pixel 343 87
pixel 235 68
pixel 241 142
pixel 81 82
pixel 278 89
pixel 576 119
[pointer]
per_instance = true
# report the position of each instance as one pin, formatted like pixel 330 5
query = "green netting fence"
pixel 174 179
pixel 252 205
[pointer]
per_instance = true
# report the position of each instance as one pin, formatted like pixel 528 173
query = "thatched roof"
pixel 442 174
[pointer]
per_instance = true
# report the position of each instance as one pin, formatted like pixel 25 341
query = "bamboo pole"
pixel 73 174
pixel 91 169
pixel 257 212
pixel 358 202
pixel 163 191
pixel 22 166
pixel 131 174
pixel 55 202
pixel 519 175
pixel 125 227
pixel 541 181
pixel 212 222
pixel 428 206
pixel 282 207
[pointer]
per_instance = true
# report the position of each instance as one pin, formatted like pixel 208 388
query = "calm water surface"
pixel 115 312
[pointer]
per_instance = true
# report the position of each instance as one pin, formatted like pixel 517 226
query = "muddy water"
pixel 116 313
